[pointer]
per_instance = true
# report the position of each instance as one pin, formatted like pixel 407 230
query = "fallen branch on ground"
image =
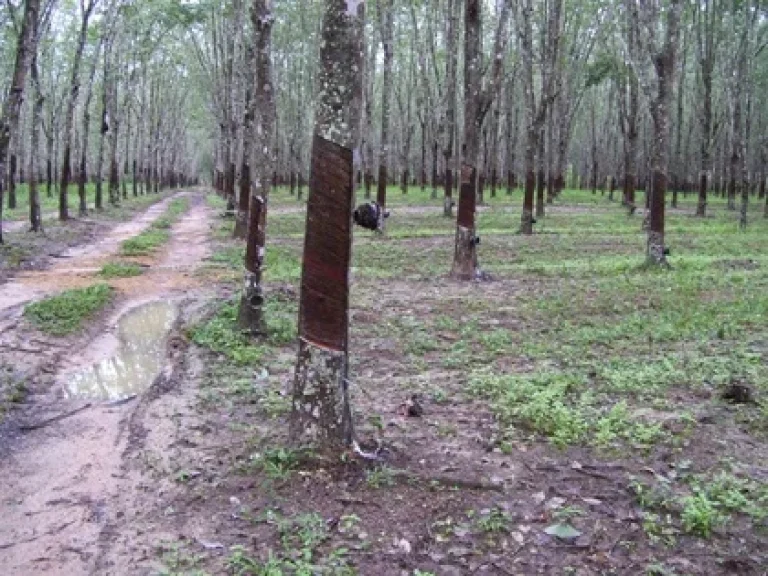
pixel 44 423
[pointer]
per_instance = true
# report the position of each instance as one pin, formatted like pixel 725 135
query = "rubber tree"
pixel 243 202
pixel 477 101
pixel 525 25
pixel 86 129
pixel 86 9
pixel 26 47
pixel 740 97
pixel 706 21
pixel 264 113
pixel 629 111
pixel 451 67
pixel 35 215
pixel 35 212
pixel 659 46
pixel 321 412
pixel 386 25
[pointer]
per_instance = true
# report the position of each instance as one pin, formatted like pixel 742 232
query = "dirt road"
pixel 60 478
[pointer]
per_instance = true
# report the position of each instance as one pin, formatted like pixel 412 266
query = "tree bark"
pixel 531 143
pixel 321 412
pixel 451 67
pixel 12 176
pixel 477 102
pixel 386 23
pixel 242 222
pixel 35 214
pixel 9 118
pixel 261 109
pixel 69 116
pixel 664 63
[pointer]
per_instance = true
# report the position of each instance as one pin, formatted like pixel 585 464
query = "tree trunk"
pixel 321 411
pixel 551 168
pixel 451 71
pixel 531 143
pixel 99 199
pixel 86 128
pixel 242 222
pixel 679 176
pixel 262 109
pixel 49 166
pixel 740 140
pixel 9 118
pixel 664 61
pixel 386 23
pixel 477 101
pixel 35 214
pixel 541 175
pixel 12 169
pixel 69 117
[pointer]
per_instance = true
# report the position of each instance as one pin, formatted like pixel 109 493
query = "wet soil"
pixel 63 448
pixel 137 360
pixel 169 481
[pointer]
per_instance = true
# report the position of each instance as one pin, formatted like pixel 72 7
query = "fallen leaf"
pixel 562 531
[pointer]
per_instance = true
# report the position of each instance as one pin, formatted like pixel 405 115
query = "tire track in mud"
pixel 60 484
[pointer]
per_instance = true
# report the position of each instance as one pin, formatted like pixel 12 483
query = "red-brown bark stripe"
pixel 327 250
pixel 467 199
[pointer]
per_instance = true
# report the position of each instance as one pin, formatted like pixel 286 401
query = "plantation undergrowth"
pixel 596 391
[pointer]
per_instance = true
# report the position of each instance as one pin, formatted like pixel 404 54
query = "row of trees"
pixel 559 92
pixel 97 91
pixel 127 92
pixel 538 52
pixel 450 93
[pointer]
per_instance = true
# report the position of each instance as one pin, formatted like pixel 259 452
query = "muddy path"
pixel 62 454
pixel 75 262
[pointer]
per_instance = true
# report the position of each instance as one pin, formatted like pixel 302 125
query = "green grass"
pixel 120 270
pixel 144 243
pixel 281 263
pixel 66 313
pixel 221 334
pixel 50 204
pixel 158 232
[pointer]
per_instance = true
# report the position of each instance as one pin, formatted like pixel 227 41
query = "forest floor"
pixel 576 417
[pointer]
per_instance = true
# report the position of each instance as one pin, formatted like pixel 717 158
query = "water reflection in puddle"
pixel 141 350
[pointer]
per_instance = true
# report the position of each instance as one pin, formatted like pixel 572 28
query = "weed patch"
pixel 65 313
pixel 144 243
pixel 221 334
pixel 158 233
pixel 302 539
pixel 120 270
pixel 562 407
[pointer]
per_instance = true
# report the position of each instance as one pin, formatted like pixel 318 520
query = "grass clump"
pixel 144 243
pixel 302 540
pixel 221 334
pixel 120 270
pixel 158 232
pixel 701 503
pixel 162 223
pixel 176 208
pixel 13 389
pixel 562 407
pixel 65 313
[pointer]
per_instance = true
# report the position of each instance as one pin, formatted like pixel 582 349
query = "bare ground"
pixel 170 482
pixel 60 478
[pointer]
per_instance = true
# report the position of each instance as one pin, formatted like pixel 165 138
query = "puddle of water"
pixel 141 351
